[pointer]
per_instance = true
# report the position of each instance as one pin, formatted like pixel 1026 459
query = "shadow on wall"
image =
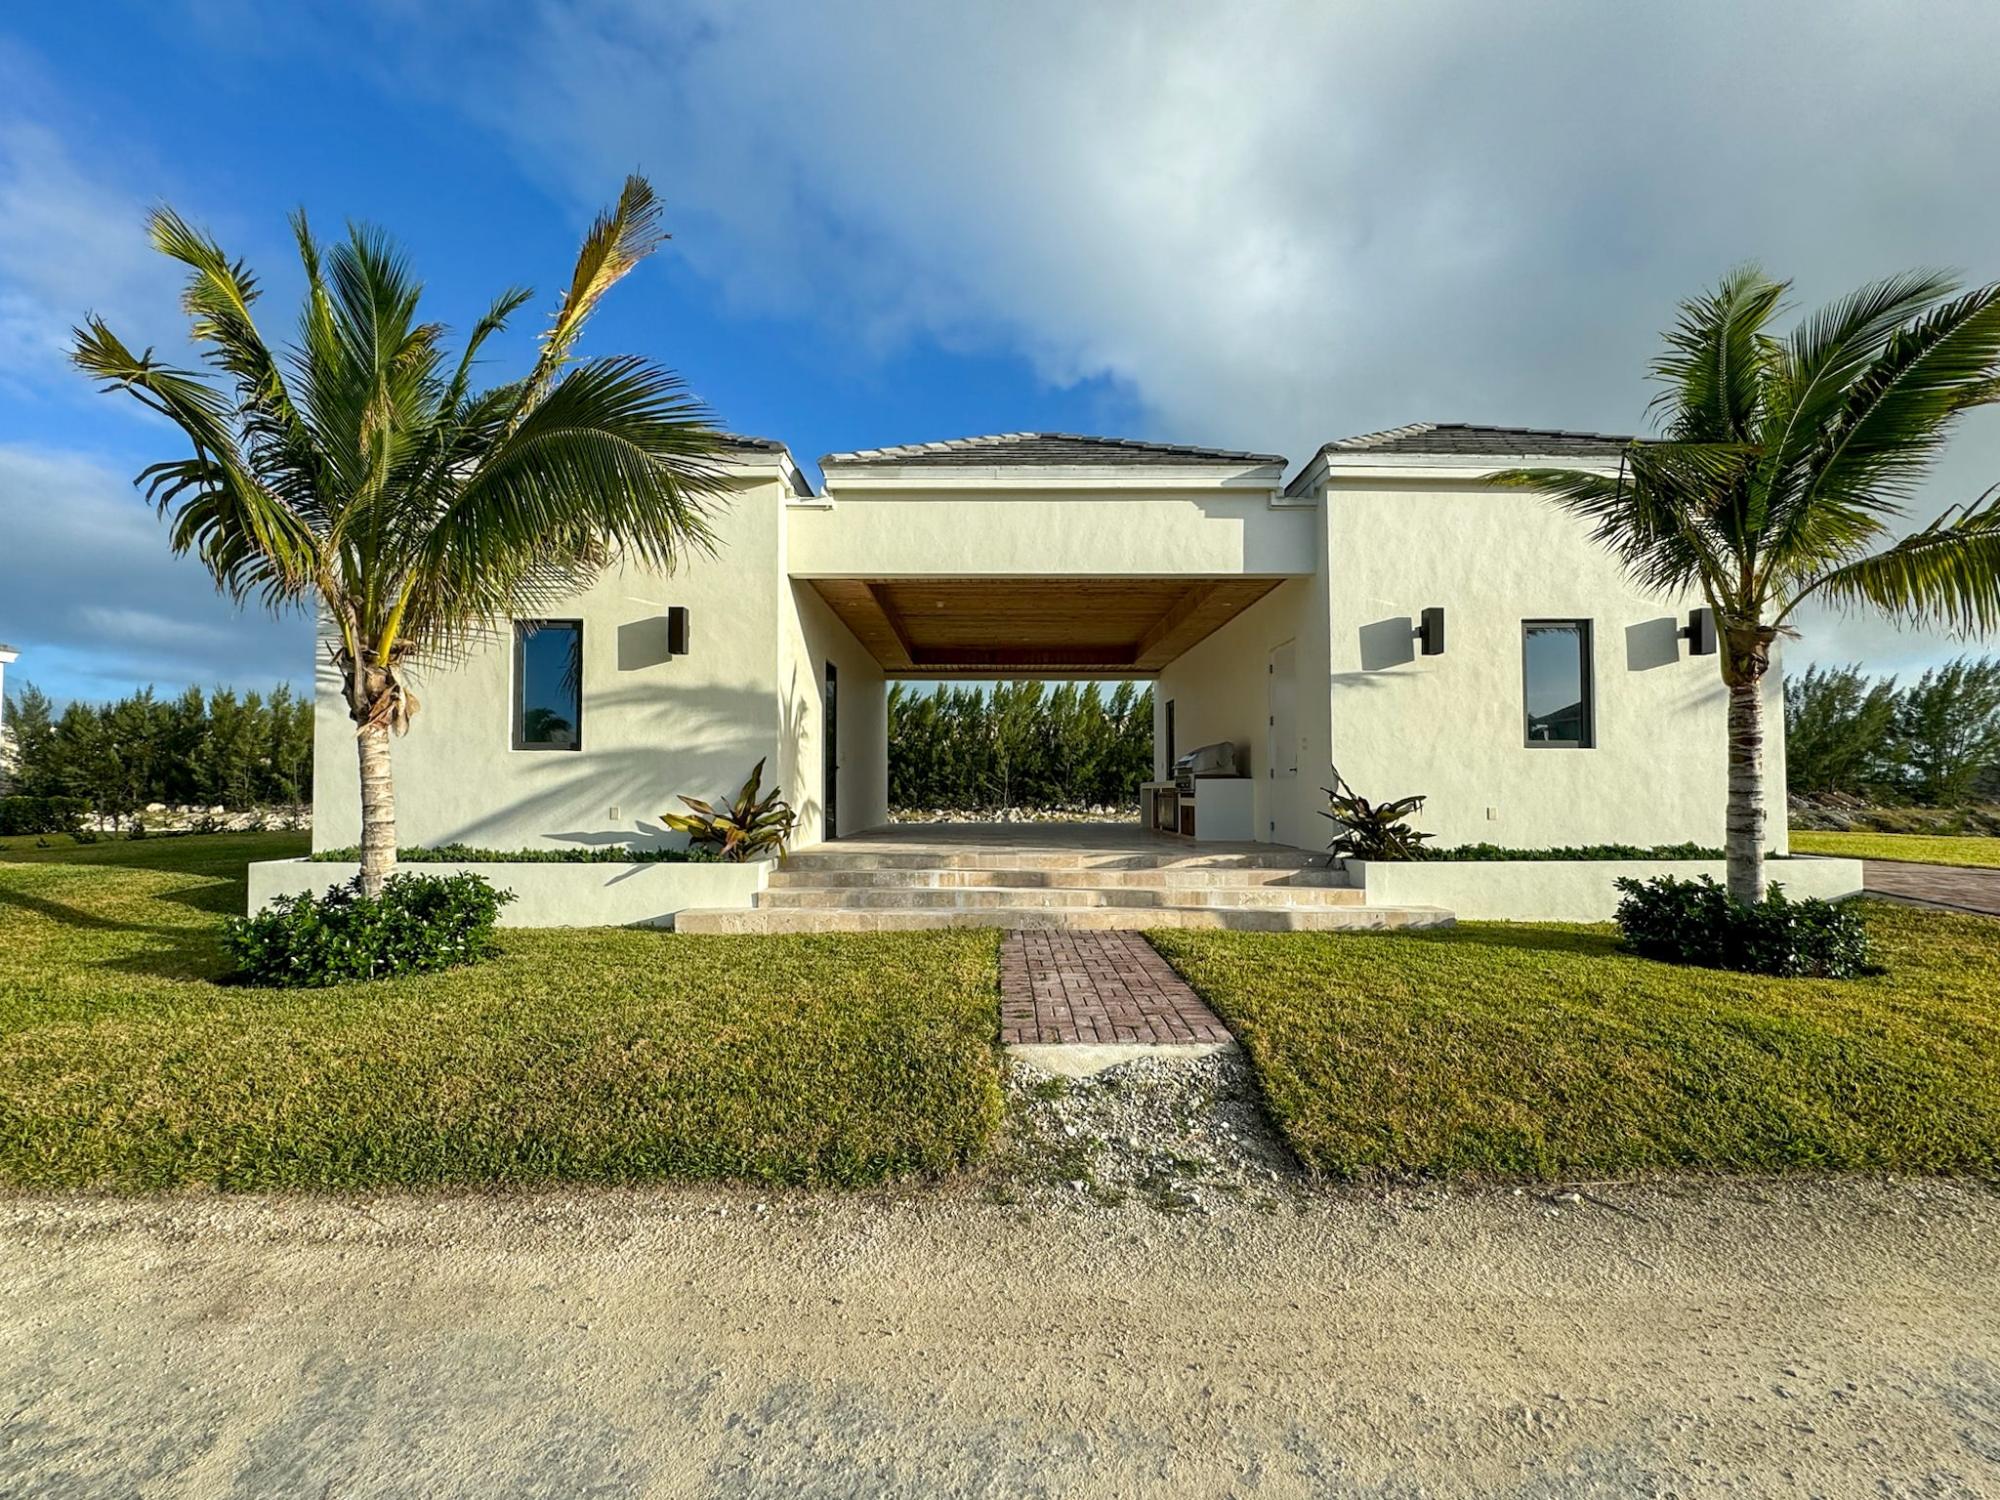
pixel 1388 643
pixel 1652 643
pixel 709 739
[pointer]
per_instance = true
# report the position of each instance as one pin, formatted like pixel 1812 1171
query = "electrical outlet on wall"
pixel 1492 814
pixel 619 812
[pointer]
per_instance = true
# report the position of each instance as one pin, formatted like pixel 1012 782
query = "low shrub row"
pixel 1498 852
pixel 465 854
pixel 20 815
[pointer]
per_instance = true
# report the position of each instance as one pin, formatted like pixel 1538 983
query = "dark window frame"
pixel 1586 641
pixel 518 705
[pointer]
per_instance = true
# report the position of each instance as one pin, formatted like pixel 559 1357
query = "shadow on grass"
pixel 1529 937
pixel 184 952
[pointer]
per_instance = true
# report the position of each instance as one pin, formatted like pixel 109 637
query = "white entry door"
pixel 1282 734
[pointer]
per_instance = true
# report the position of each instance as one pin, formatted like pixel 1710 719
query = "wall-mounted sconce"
pixel 1431 631
pixel 677 630
pixel 1700 632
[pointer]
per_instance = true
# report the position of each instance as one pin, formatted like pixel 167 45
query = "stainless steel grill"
pixel 1218 759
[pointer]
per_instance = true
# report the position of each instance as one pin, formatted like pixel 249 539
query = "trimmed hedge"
pixel 1474 853
pixel 20 815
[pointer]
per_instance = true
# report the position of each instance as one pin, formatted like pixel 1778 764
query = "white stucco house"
pixel 1549 702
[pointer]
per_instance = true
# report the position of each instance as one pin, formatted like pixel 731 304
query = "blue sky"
pixel 1264 227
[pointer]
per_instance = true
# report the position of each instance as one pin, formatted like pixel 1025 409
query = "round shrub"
pixel 419 923
pixel 1699 922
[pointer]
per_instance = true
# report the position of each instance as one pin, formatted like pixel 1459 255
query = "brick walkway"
pixel 1096 987
pixel 1961 886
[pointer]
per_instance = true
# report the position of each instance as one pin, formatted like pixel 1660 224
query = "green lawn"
pixel 1922 848
pixel 578 1056
pixel 1542 1052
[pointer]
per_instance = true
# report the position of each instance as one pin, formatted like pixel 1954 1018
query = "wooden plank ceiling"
pixel 1035 625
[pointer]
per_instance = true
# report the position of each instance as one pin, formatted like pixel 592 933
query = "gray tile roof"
pixel 754 444
pixel 1038 449
pixel 1467 437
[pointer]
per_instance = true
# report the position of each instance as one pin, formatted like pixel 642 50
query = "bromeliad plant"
pixel 1373 830
pixel 750 827
pixel 360 470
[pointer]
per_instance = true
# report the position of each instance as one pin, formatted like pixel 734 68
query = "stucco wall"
pixel 1221 690
pixel 1086 533
pixel 552 895
pixel 813 636
pixel 652 727
pixel 1450 727
pixel 1570 890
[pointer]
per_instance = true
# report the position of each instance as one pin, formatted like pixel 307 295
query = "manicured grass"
pixel 1542 1052
pixel 600 1055
pixel 1920 848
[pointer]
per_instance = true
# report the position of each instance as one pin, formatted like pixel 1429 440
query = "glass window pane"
pixel 1556 659
pixel 549 691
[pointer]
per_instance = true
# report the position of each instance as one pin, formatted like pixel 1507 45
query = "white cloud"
pixel 97 604
pixel 1272 224
pixel 70 243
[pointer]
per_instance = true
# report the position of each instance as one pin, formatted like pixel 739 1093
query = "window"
pixel 1170 736
pixel 1555 673
pixel 548 684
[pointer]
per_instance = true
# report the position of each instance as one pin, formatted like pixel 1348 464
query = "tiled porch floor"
pixel 1096 987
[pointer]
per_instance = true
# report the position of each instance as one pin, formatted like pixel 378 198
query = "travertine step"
pixel 768 919
pixel 1176 877
pixel 835 857
pixel 1073 897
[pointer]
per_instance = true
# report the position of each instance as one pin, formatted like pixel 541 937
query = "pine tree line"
pixel 1019 744
pixel 207 749
pixel 1935 743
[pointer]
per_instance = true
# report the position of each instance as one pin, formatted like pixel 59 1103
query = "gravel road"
pixel 1685 1339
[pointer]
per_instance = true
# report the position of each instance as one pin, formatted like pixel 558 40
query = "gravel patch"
pixel 1176 1135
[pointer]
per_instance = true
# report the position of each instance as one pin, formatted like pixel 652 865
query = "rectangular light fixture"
pixel 1431 632
pixel 677 630
pixel 1700 632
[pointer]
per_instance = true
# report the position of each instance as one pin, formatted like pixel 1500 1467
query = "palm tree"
pixel 1782 463
pixel 361 468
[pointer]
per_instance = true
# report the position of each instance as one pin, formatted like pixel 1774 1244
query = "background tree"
pixel 1947 731
pixel 965 748
pixel 1840 729
pixel 1782 463
pixel 236 751
pixel 31 725
pixel 361 470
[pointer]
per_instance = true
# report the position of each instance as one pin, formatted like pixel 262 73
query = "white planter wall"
pixel 552 895
pixel 1568 890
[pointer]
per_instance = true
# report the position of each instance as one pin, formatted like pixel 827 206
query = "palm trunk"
pixel 1745 845
pixel 378 809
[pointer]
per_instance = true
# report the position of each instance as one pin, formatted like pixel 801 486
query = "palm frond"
pixel 1650 515
pixel 1946 576
pixel 1713 365
pixel 619 239
pixel 1898 410
pixel 618 454
pixel 246 535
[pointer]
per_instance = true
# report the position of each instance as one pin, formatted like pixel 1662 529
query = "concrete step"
pixel 1168 878
pixel 766 919
pixel 1074 897
pixel 827 858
